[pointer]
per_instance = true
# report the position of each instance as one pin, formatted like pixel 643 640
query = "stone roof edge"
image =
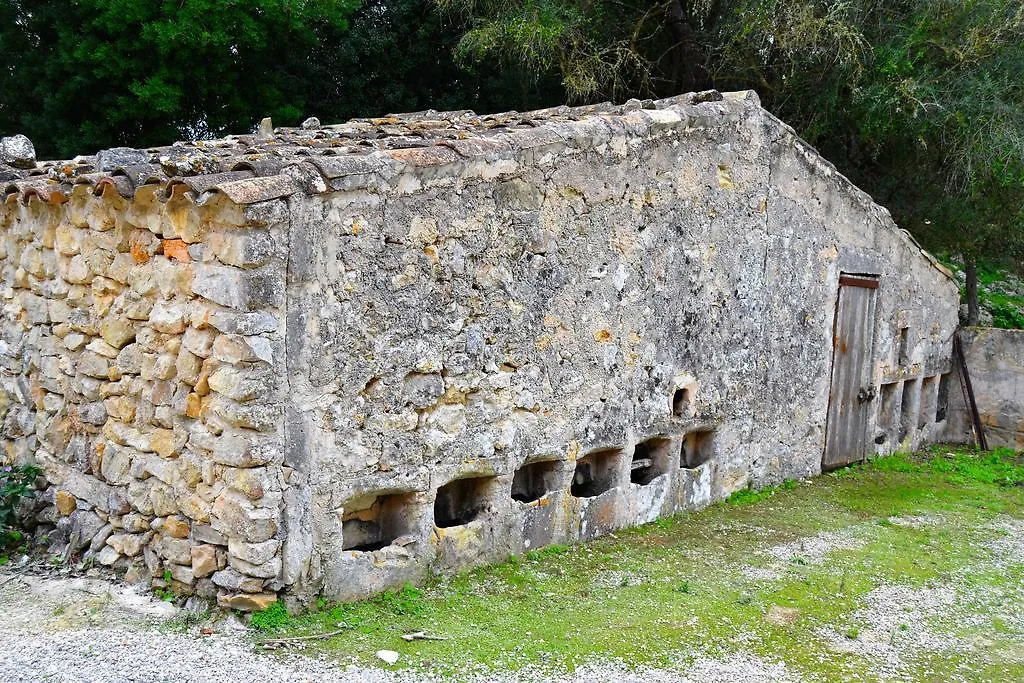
pixel 250 181
pixel 827 169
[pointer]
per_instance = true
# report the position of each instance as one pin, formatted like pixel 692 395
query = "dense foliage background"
pixel 921 102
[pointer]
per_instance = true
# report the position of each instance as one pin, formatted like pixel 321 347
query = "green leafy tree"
pixel 920 101
pixel 83 74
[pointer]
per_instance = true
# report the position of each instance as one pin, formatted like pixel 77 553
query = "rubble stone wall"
pixel 576 329
pixel 142 346
pixel 369 366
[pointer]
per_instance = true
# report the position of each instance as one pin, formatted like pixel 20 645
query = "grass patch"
pixel 271 618
pixel 707 582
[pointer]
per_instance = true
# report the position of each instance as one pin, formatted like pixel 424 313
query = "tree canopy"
pixel 921 102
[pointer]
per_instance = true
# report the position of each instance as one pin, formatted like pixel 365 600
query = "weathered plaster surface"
pixel 995 361
pixel 639 300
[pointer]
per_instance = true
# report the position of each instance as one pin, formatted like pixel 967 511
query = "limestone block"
pixel 99 539
pixel 233 580
pixel 255 322
pixel 102 348
pixel 204 533
pixel 236 517
pixel 93 365
pixel 268 570
pixel 77 271
pixel 17 151
pixel 142 245
pixel 67 239
pixel 120 268
pixel 128 544
pixel 135 523
pixel 93 413
pixel 129 359
pixel 177 550
pixel 242 290
pixel 260 417
pixel 253 553
pixel 243 249
pixel 194 507
pixel 176 527
pixel 117 464
pixel 162 498
pixel 137 495
pixel 240 449
pixel 136 308
pixel 168 318
pixel 199 342
pixel 182 573
pixel 233 349
pixel 247 602
pixel 117 331
pixel 108 556
pixel 65 503
pixel 204 560
pixel 187 366
pixel 242 384
pixel 255 482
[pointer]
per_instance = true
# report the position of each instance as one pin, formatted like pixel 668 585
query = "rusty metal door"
pixel 851 393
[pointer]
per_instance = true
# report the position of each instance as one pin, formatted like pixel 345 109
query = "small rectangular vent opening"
pixel 376 521
pixel 942 400
pixel 681 402
pixel 697 448
pixel 596 473
pixel 928 396
pixel 887 405
pixel 903 347
pixel 650 460
pixel 461 501
pixel 908 401
pixel 535 480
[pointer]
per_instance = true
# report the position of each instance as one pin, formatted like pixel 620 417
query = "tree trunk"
pixel 971 274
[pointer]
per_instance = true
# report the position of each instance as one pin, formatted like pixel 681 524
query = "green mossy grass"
pixel 660 593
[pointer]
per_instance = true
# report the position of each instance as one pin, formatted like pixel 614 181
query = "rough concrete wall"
pixel 995 360
pixel 654 290
pixel 139 346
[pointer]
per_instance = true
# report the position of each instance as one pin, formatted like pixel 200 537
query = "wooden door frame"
pixel 866 281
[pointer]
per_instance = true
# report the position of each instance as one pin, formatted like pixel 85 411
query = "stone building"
pixel 329 360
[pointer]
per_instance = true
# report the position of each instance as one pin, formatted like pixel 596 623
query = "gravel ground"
pixel 89 630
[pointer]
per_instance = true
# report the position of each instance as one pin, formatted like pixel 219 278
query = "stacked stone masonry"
pixel 330 361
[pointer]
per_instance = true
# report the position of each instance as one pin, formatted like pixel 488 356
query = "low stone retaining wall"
pixel 995 360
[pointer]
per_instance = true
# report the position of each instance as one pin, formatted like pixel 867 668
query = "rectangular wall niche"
pixel 650 460
pixel 461 501
pixel 942 400
pixel 596 473
pixel 375 521
pixel 535 480
pixel 887 405
pixel 926 411
pixel 697 448
pixel 908 407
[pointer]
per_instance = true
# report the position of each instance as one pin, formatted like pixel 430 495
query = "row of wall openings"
pixel 918 409
pixel 377 520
